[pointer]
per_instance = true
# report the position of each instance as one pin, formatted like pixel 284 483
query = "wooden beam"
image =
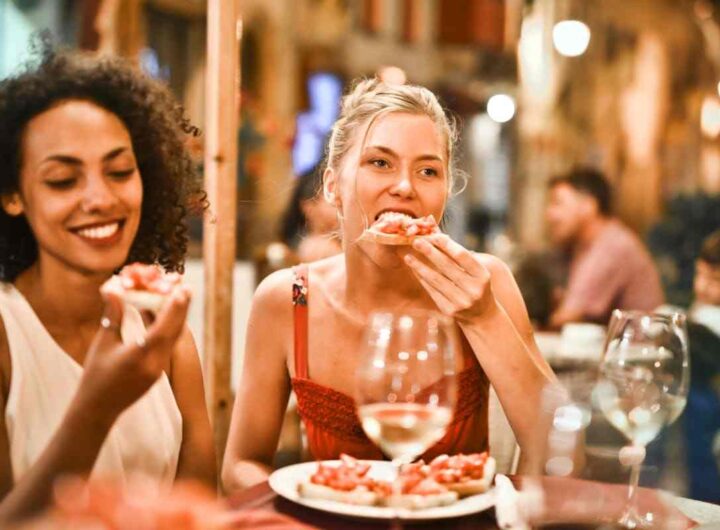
pixel 221 124
pixel 185 8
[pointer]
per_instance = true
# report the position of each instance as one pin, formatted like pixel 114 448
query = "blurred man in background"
pixel 702 416
pixel 609 266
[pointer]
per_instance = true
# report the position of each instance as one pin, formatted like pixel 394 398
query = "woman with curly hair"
pixel 94 176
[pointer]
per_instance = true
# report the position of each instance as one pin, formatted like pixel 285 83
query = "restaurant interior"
pixel 625 91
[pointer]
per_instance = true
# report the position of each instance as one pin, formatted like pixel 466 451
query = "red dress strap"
pixel 300 319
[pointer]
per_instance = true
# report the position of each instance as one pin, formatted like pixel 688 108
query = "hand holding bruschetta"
pixel 454 278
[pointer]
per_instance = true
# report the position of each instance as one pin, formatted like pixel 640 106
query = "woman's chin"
pixel 386 256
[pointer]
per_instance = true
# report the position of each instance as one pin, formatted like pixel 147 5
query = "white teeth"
pixel 99 232
pixel 394 214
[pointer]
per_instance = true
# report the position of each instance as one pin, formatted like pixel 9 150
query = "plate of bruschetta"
pixel 448 486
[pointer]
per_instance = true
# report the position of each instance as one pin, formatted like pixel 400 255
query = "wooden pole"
pixel 221 124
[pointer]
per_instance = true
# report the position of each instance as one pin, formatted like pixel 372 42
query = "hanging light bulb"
pixel 501 108
pixel 710 117
pixel 571 37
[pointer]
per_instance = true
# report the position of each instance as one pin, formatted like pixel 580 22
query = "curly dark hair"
pixel 157 127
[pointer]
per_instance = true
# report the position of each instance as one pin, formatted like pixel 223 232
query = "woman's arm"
pixel 481 294
pixel 114 377
pixel 264 387
pixel 6 477
pixel 197 454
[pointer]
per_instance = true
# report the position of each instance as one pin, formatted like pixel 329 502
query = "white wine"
pixel 404 430
pixel 638 409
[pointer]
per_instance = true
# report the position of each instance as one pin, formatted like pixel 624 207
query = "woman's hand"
pixel 116 375
pixel 456 281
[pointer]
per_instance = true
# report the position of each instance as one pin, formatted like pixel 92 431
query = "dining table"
pixel 568 503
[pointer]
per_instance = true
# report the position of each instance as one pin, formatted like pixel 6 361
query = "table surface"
pixel 261 497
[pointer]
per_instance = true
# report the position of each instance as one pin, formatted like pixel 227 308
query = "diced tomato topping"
pixel 142 277
pixel 350 474
pixel 395 223
pixel 458 468
pixel 418 478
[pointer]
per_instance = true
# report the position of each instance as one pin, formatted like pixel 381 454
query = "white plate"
pixel 285 482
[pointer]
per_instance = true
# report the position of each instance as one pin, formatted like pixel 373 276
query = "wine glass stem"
pixel 631 517
pixel 397 490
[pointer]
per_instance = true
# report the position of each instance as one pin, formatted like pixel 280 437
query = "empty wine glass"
pixel 643 384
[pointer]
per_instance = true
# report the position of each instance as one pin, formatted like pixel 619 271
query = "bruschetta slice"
pixel 464 474
pixel 346 481
pixel 395 228
pixel 146 287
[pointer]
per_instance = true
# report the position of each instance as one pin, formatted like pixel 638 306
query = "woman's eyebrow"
pixel 390 152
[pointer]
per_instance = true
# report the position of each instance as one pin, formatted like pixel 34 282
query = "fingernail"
pixel 409 259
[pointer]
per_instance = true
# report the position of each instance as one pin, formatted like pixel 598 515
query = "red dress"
pixel 330 417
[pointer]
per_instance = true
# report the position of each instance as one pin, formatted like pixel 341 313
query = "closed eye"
pixel 61 184
pixel 122 174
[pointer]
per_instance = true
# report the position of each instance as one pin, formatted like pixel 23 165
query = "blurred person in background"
pixel 310 225
pixel 706 285
pixel 609 267
pixel 702 415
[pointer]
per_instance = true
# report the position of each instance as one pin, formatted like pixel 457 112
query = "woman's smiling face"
pixel 80 188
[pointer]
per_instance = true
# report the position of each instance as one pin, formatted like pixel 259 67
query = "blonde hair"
pixel 371 98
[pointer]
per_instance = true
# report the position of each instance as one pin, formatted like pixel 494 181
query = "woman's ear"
pixel 12 204
pixel 331 187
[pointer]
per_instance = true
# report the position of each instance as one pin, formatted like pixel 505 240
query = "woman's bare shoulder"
pixel 275 290
pixel 495 266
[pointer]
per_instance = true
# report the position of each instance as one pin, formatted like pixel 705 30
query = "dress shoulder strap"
pixel 300 293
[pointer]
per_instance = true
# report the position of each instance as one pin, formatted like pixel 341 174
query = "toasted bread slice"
pixel 465 488
pixel 388 239
pixel 146 287
pixel 416 501
pixel 145 300
pixel 359 496
pixel 394 228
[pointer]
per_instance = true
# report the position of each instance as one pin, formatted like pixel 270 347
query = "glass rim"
pixel 624 313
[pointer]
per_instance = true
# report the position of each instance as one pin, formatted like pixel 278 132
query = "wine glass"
pixel 643 384
pixel 406 382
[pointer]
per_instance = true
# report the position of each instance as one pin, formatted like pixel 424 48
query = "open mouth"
pixel 395 214
pixel 99 232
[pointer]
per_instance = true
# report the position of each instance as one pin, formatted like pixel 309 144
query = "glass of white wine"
pixel 406 381
pixel 643 384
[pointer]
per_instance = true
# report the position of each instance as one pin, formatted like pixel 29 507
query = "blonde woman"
pixel 390 150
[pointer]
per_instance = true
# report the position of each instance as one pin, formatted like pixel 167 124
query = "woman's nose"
pixel 403 186
pixel 98 195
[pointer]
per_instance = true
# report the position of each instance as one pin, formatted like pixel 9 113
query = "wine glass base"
pixel 632 519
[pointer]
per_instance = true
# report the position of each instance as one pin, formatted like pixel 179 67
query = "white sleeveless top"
pixel 146 437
